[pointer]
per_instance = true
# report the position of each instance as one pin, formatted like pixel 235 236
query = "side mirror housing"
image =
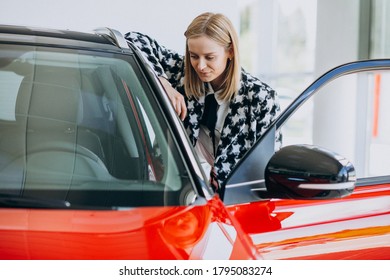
pixel 308 172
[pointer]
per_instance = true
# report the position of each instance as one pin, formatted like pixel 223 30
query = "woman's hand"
pixel 176 98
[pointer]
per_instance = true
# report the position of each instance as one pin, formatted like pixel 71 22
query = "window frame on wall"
pixel 277 43
pixel 379 29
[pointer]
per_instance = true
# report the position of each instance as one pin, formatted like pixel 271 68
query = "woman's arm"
pixel 168 65
pixel 165 62
pixel 176 98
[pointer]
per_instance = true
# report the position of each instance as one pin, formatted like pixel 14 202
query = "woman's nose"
pixel 201 64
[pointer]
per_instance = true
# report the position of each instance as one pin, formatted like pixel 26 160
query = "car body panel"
pixel 280 229
pixel 139 233
pixel 354 227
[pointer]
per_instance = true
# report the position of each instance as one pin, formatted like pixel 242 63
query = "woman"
pixel 222 131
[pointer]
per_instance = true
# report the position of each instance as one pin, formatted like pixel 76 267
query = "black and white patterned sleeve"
pixel 165 62
pixel 267 108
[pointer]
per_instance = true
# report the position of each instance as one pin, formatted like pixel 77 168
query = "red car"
pixel 94 164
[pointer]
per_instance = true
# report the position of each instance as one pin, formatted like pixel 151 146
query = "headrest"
pixel 54 95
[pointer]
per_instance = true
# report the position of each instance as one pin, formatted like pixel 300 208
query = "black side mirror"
pixel 308 172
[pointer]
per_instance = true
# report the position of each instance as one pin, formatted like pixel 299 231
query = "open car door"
pixel 340 149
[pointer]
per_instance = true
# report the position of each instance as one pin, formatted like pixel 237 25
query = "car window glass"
pixel 348 116
pixel 84 128
pixel 8 91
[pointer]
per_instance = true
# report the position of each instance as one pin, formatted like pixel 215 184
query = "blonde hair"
pixel 220 29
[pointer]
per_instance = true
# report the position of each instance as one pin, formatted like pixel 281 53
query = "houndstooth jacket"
pixel 250 112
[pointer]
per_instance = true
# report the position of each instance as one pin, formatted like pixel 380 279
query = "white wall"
pixel 164 20
pixel 338 43
pixel 337 33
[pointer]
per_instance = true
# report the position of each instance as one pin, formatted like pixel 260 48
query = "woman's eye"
pixel 210 57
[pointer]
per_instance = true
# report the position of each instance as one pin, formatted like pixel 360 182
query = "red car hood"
pixel 139 233
pixel 356 227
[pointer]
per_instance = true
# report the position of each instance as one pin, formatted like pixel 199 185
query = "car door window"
pixel 348 116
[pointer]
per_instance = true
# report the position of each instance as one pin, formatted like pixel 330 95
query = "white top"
pixel 204 145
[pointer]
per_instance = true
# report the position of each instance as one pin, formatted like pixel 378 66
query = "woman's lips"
pixel 204 75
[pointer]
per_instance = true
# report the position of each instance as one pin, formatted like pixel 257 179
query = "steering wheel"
pixel 58 155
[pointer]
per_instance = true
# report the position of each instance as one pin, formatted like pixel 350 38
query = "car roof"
pixel 102 38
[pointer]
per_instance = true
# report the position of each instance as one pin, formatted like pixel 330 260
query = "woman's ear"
pixel 231 53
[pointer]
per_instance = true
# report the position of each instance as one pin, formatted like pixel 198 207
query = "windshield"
pixel 82 128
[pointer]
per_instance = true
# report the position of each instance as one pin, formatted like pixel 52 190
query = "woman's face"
pixel 209 59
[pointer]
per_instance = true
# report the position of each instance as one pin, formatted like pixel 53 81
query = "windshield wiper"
pixel 17 201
